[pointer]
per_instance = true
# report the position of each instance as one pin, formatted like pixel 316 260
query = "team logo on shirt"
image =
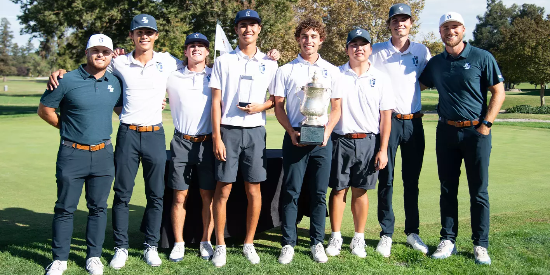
pixel 111 89
pixel 208 77
pixel 372 82
pixel 144 20
pixel 467 66
pixel 262 68
pixel 159 66
pixel 325 73
pixel 415 60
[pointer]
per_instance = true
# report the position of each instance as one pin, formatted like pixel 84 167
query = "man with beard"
pixel 403 61
pixel 85 98
pixel 301 159
pixel 462 74
pixel 191 146
pixel 239 83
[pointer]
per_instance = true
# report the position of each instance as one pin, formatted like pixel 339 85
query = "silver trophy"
pixel 313 106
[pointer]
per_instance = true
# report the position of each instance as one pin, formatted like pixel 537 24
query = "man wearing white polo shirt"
pixel 403 60
pixel 239 83
pixel 360 140
pixel 299 159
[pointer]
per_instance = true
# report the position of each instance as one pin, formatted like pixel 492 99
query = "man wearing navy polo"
pixel 85 99
pixel 462 74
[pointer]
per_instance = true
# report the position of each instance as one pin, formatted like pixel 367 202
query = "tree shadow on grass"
pixel 26 234
pixel 17 110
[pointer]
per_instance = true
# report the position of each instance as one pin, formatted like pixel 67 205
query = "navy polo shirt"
pixel 462 82
pixel 85 105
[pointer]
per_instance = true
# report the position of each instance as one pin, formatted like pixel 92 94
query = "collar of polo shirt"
pixel 305 62
pixel 131 59
pixel 348 70
pixel 187 71
pixel 392 48
pixel 464 54
pixel 258 56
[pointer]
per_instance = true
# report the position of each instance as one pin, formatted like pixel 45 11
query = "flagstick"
pixel 214 54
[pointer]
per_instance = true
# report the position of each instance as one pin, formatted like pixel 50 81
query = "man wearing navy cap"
pixel 462 74
pixel 403 61
pixel 359 140
pixel 85 98
pixel 239 83
pixel 191 146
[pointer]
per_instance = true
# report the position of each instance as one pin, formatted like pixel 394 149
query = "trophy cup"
pixel 245 90
pixel 313 106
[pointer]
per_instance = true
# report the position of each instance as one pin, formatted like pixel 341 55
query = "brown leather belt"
pixel 460 124
pixel 357 135
pixel 91 148
pixel 408 116
pixel 200 138
pixel 144 128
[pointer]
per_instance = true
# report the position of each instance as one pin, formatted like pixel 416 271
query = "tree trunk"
pixel 542 86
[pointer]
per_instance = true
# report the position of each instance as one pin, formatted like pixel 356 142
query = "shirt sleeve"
pixel 426 78
pixel 427 57
pixel 216 77
pixel 492 72
pixel 120 98
pixel 53 98
pixel 279 87
pixel 387 98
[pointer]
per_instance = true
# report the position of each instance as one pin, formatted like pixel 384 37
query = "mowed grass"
pixel 520 212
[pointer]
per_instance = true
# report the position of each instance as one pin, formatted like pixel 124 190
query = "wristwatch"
pixel 487 123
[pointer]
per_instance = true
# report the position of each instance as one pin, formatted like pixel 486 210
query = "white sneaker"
pixel 481 255
pixel 384 246
pixel 151 256
pixel 287 254
pixel 94 266
pixel 417 243
pixel 57 267
pixel 250 253
pixel 357 247
pixel 334 246
pixel 177 252
pixel 445 249
pixel 318 252
pixel 206 250
pixel 120 258
pixel 220 256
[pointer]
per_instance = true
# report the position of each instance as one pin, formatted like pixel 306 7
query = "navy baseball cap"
pixel 247 14
pixel 197 37
pixel 400 9
pixel 358 32
pixel 144 21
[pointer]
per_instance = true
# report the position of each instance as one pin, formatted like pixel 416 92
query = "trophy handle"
pixel 302 99
pixel 326 97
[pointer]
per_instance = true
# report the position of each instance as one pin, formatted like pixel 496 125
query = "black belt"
pixel 91 148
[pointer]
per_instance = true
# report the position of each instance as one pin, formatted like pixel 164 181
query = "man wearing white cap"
pixel 462 75
pixel 85 98
pixel 403 60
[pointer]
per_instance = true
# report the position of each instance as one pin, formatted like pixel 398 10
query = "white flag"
pixel 221 43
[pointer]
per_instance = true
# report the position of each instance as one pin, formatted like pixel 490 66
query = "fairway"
pixel 518 193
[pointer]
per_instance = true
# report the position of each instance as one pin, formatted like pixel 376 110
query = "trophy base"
pixel 243 104
pixel 312 135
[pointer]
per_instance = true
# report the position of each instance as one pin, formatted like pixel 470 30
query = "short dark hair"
pixel 310 23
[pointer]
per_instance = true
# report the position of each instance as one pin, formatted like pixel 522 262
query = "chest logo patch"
pixel 467 66
pixel 111 89
pixel 208 77
pixel 415 60
pixel 372 82
pixel 262 68
pixel 325 73
pixel 159 66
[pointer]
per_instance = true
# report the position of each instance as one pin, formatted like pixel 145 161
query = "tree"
pixel 6 37
pixel 433 43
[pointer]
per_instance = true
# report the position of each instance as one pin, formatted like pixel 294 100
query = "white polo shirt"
pixel 191 101
pixel 292 76
pixel 363 97
pixel 144 86
pixel 228 75
pixel 404 69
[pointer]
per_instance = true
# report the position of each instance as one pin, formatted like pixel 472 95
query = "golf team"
pixel 375 108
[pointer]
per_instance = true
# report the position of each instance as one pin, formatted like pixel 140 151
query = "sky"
pixel 429 18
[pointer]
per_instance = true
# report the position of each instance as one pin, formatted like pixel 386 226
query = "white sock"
pixel 359 235
pixel 221 245
pixel 337 235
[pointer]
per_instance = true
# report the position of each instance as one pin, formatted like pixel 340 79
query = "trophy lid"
pixel 315 83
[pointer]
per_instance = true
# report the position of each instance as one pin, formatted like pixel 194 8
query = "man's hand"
pixel 483 129
pixel 294 137
pixel 219 149
pixel 251 108
pixel 274 54
pixel 118 51
pixel 381 160
pixel 53 83
pixel 325 139
pixel 163 103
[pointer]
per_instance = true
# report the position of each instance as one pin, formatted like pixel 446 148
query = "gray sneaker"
pixel 206 250
pixel 417 243
pixel 444 250
pixel 94 266
pixel 481 255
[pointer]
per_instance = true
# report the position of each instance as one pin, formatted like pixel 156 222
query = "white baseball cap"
pixel 451 16
pixel 100 40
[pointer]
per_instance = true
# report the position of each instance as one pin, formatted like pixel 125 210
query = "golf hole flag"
pixel 221 42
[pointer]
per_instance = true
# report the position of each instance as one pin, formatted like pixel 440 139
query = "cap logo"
pixel 449 16
pixel 358 32
pixel 145 20
pixel 101 40
pixel 111 89
pixel 247 13
pixel 400 8
pixel 196 35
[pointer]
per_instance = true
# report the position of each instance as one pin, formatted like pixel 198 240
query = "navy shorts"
pixel 191 157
